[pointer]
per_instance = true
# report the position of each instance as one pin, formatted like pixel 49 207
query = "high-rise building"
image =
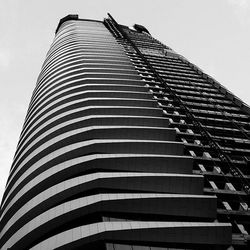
pixel 127 145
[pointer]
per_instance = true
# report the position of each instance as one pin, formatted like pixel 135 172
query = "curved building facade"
pixel 100 164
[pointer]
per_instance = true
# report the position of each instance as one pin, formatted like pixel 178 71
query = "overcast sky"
pixel 213 34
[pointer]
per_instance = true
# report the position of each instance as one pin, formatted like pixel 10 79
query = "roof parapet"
pixel 66 18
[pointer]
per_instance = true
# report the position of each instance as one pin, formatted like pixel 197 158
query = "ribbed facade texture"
pixel 127 146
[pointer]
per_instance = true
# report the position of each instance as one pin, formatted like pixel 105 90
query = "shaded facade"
pixel 127 145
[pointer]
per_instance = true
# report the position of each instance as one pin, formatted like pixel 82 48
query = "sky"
pixel 213 34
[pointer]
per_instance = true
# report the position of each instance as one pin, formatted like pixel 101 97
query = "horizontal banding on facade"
pixel 95 132
pixel 102 132
pixel 108 162
pixel 126 203
pixel 89 84
pixel 109 120
pixel 85 83
pixel 135 182
pixel 143 232
pixel 105 146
